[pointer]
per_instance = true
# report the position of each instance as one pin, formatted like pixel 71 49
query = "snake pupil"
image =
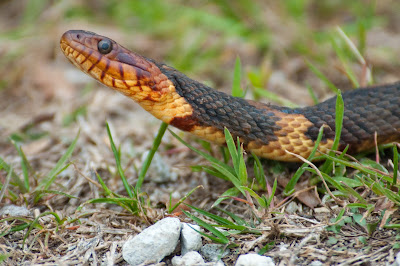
pixel 104 46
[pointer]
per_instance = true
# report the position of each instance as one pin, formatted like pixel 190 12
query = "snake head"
pixel 114 65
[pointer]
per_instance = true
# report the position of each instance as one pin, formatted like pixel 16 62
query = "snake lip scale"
pixel 267 130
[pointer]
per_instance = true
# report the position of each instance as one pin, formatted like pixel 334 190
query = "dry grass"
pixel 41 95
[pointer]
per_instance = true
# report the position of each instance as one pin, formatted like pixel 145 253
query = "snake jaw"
pixel 129 73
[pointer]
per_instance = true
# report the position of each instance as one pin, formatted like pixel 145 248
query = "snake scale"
pixel 267 130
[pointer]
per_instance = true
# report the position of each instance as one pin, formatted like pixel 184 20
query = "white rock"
pixel 282 246
pixel 219 263
pixel 190 239
pixel 254 260
pixel 316 263
pixel 189 259
pixel 154 243
pixel 13 210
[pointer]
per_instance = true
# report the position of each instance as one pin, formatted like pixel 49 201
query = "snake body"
pixel 267 130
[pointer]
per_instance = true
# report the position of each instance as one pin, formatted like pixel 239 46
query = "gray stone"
pixel 254 260
pixel 190 239
pixel 189 259
pixel 13 210
pixel 292 207
pixel 154 243
pixel 213 252
pixel 159 171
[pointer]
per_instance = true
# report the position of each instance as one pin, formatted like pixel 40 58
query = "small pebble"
pixel 292 207
pixel 190 239
pixel 13 210
pixel 254 260
pixel 189 259
pixel 316 263
pixel 213 252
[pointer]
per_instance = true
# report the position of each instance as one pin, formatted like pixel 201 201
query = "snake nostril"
pixel 78 36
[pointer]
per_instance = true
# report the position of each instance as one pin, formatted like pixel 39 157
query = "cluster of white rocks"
pixel 161 239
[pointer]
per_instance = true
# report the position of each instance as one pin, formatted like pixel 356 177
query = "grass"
pixel 22 184
pixel 353 189
pixel 35 194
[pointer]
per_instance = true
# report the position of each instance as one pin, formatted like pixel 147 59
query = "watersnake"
pixel 267 130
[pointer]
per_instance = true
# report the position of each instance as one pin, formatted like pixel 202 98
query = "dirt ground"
pixel 45 102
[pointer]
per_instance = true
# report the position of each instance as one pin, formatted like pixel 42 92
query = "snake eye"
pixel 104 46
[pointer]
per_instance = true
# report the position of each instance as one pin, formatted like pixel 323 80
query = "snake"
pixel 371 114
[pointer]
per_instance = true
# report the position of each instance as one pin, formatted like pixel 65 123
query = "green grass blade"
pixel 351 45
pixel 274 97
pixel 312 94
pixel 342 57
pixel 339 114
pixel 271 197
pixel 40 193
pixel 359 167
pixel 15 178
pixel 32 225
pixel 242 169
pixel 259 199
pixel 395 164
pixel 354 193
pixel 218 219
pixel 329 179
pixel 219 237
pixel 357 205
pixel 362 37
pixel 204 155
pixel 46 182
pixel 219 166
pixel 210 170
pixel 232 192
pixel 104 186
pixel 24 164
pixel 234 217
pixel 118 163
pixel 234 179
pixel 338 120
pixel 150 155
pixel 112 200
pixel 340 215
pixel 5 185
pixel 232 150
pixel 322 77
pixel 259 172
pixel 349 181
pixel 237 80
pixel 267 247
pixel 392 226
pixel 172 208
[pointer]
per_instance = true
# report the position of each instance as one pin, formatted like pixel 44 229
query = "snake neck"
pixel 211 108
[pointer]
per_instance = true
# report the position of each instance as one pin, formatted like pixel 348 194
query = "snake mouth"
pixel 119 68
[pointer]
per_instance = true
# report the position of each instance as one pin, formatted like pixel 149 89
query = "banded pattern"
pixel 267 130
